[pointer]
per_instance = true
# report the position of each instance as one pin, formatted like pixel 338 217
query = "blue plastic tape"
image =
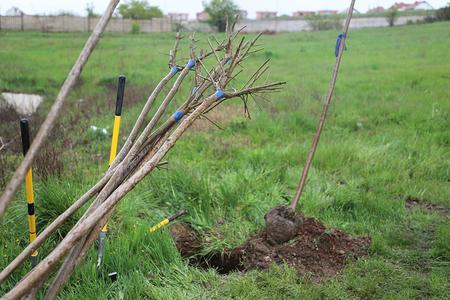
pixel 190 64
pixel 174 70
pixel 338 43
pixel 219 94
pixel 178 115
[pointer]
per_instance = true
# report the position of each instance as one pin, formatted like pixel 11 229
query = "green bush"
pixel 391 16
pixel 219 11
pixel 139 10
pixel 443 14
pixel 179 27
pixel 429 19
pixel 135 28
pixel 318 22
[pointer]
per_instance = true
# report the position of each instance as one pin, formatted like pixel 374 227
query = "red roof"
pixel 405 6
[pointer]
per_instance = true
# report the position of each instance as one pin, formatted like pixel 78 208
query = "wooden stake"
pixel 323 115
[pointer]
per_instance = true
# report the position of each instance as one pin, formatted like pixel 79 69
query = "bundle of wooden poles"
pixel 144 150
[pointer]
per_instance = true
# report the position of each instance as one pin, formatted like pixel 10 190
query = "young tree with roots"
pixel 146 146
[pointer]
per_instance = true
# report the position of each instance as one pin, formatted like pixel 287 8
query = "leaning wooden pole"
pixel 53 114
pixel 340 46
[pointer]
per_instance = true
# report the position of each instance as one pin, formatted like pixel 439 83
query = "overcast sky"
pixel 193 6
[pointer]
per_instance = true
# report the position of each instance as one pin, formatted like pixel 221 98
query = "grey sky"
pixel 193 6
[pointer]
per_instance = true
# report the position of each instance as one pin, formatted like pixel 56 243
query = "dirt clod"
pixel 281 224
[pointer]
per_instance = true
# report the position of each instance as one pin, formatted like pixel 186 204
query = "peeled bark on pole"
pixel 53 114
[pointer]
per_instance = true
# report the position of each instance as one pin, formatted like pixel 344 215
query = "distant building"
pixel 14 11
pixel 376 10
pixel 327 12
pixel 418 5
pixel 179 16
pixel 423 5
pixel 261 15
pixel 202 16
pixel 303 13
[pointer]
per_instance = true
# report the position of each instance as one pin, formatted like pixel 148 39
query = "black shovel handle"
pixel 25 134
pixel 120 93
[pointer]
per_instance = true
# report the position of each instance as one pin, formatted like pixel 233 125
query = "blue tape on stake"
pixel 219 94
pixel 178 115
pixel 194 89
pixel 190 64
pixel 338 43
pixel 174 70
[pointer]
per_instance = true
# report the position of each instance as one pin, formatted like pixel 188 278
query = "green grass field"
pixel 386 140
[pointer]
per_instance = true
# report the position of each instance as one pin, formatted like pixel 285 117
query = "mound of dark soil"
pixel 313 251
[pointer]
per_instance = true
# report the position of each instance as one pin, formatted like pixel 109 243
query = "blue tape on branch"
pixel 338 43
pixel 190 64
pixel 227 60
pixel 194 89
pixel 219 94
pixel 174 70
pixel 178 115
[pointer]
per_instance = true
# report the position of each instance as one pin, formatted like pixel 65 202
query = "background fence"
pixel 71 24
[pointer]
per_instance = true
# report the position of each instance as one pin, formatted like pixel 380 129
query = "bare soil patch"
pixel 187 240
pixel 314 251
pixel 414 202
